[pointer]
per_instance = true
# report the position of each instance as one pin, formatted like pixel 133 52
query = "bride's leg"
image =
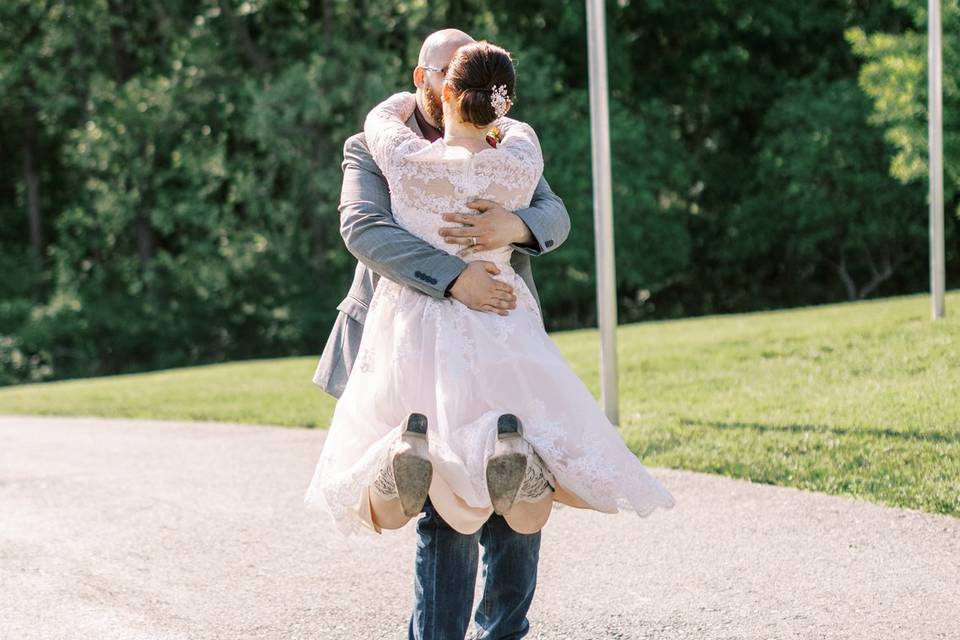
pixel 402 477
pixel 529 517
pixel 387 514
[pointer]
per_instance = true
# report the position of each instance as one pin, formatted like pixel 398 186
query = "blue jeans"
pixel 446 574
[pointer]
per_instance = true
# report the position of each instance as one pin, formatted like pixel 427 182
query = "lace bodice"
pixel 429 179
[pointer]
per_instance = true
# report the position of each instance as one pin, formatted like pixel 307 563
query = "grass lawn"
pixel 860 399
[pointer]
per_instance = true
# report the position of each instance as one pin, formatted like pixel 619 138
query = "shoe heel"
pixel 509 426
pixel 416 425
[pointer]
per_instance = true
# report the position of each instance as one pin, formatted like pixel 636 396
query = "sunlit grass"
pixel 860 399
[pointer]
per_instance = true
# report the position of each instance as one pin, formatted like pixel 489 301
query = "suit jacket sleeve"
pixel 547 219
pixel 371 234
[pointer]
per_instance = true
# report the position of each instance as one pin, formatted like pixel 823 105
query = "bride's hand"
pixel 493 227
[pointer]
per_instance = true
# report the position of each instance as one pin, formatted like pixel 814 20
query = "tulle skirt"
pixel 462 369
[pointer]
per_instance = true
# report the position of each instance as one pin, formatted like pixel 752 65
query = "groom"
pixel 446 563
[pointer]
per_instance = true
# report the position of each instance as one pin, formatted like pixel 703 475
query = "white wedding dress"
pixel 462 368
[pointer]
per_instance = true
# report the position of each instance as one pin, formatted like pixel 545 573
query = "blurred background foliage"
pixel 171 170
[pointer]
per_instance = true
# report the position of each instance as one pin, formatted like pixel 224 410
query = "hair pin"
pixel 499 99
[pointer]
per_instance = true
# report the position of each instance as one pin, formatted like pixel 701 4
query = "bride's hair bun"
pixel 475 72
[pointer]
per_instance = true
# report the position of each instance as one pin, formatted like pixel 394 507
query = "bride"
pixel 477 410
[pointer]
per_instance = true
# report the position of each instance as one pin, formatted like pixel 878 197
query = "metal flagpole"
pixel 935 134
pixel 603 208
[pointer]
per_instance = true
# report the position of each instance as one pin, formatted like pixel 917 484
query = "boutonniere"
pixel 494 136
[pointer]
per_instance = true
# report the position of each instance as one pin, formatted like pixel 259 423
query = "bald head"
pixel 436 52
pixel 438 49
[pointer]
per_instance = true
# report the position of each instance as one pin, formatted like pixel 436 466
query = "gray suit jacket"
pixel 384 248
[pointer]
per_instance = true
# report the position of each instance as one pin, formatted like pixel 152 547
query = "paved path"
pixel 155 530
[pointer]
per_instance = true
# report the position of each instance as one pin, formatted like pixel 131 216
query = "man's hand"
pixel 478 290
pixel 493 227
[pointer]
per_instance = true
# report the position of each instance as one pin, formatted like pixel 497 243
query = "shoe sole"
pixel 505 472
pixel 504 477
pixel 412 473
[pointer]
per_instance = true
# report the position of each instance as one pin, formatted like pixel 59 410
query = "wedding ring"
pixel 473 240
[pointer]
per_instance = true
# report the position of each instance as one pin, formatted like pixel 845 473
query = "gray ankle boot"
pixel 515 472
pixel 405 470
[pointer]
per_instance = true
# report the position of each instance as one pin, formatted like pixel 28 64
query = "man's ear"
pixel 418 77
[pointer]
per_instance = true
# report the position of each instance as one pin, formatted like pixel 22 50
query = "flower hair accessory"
pixel 499 99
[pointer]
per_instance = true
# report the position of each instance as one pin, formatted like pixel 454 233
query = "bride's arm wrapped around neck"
pixel 387 134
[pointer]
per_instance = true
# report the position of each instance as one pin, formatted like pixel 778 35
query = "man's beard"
pixel 433 106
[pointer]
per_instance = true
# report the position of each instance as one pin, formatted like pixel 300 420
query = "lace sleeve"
pixel 387 135
pixel 520 142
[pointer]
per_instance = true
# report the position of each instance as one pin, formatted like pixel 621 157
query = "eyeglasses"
pixel 442 72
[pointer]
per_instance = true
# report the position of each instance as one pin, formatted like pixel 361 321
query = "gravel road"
pixel 154 530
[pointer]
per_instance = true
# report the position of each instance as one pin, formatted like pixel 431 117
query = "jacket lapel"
pixel 414 126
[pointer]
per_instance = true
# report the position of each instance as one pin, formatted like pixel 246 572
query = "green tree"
pixel 173 168
pixel 895 76
pixel 822 203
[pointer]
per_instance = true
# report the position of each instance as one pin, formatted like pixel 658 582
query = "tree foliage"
pixel 170 187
